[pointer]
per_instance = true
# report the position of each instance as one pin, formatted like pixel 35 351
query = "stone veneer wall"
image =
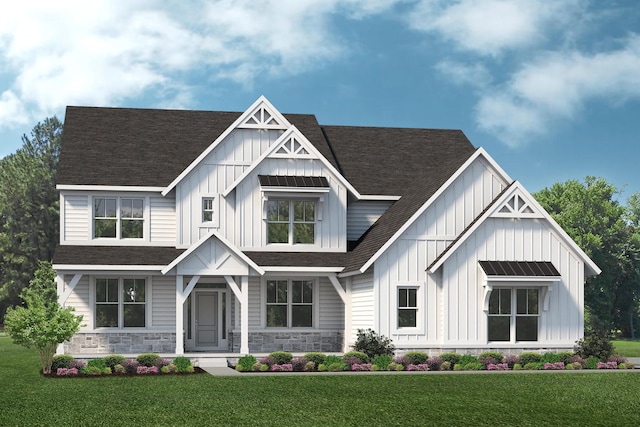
pixel 298 342
pixel 121 343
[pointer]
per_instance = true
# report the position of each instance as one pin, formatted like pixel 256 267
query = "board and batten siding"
pixel 76 217
pixel 79 299
pixel 362 214
pixel 465 321
pixel 362 303
pixel 163 301
pixel 331 229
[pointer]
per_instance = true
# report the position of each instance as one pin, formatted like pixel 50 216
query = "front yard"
pixel 535 399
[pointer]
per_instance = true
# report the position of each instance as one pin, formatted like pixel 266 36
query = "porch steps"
pixel 211 362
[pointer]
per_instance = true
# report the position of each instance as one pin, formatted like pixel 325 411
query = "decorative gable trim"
pixel 224 242
pixel 259 107
pixel 516 207
pixel 516 189
pixel 286 139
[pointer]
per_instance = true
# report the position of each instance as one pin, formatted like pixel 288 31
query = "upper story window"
pixel 118 217
pixel 291 221
pixel 207 209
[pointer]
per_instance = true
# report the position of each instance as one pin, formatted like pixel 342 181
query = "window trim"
pixel 121 304
pixel 421 308
pixel 118 218
pixel 291 199
pixel 290 303
pixel 215 210
pixel 513 315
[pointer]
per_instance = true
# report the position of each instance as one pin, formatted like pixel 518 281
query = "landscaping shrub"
pixel 131 366
pixel 416 357
pixel 575 359
pixel 565 357
pixel 112 360
pixel 268 360
pixel 451 357
pixel 402 360
pixel 91 370
pixel 434 363
pixel 369 342
pixel 310 367
pixel 529 357
pixel 382 362
pixel 315 357
pixel 446 366
pixel 592 362
pixel 97 363
pixel 393 366
pixel 281 357
pixel 147 359
pixel 419 367
pixel 467 358
pixel 550 358
pixel 517 367
pixel 162 362
pixel 352 357
pixel 473 366
pixel 298 363
pixel 596 344
pixel 618 358
pixel 510 360
pixel 77 364
pixel 119 369
pixel 183 363
pixel 61 361
pixel 458 367
pixel 531 366
pixel 245 363
pixel 490 357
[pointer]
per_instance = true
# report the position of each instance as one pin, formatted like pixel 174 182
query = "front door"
pixel 206 319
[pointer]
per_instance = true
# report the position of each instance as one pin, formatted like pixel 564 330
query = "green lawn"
pixel 523 399
pixel 627 348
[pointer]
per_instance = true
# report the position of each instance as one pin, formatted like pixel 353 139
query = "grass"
pixel 531 399
pixel 628 348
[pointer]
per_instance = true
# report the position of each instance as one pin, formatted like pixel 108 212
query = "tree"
pixel 29 220
pixel 610 234
pixel 43 323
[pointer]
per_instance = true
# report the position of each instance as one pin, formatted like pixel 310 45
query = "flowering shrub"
pixel 143 370
pixel 418 367
pixel 510 360
pixel 361 367
pixel 63 372
pixel 554 366
pixel 285 367
pixel 607 365
pixel 77 364
pixel 402 360
pixel 298 363
pixel 497 367
pixel 434 363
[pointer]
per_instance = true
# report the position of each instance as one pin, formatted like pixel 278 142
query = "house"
pixel 189 231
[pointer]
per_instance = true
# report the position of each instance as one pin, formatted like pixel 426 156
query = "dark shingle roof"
pixel 519 268
pixel 115 255
pixel 298 259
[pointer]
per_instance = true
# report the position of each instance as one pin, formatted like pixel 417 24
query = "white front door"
pixel 206 319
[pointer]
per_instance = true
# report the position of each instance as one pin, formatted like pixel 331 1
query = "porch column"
pixel 179 315
pixel 60 288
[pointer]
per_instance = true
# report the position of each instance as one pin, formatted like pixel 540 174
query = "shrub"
pixel 450 357
pixel 550 358
pixel 497 367
pixel 355 357
pixel 402 360
pixel 112 360
pixel 575 359
pixel 517 367
pixel 165 369
pixel 555 366
pixel 416 357
pixel 510 360
pixel 529 357
pixel 596 344
pixel 98 363
pixel 181 363
pixel 91 370
pixel 369 342
pixel 490 357
pixel 281 357
pixel 298 363
pixel 78 364
pixel 418 367
pixel 190 369
pixel 147 359
pixel 338 366
pixel 607 365
pixel 285 367
pixel 434 363
pixel 61 361
pixel 131 366
pixel 144 370
pixel 310 367
pixel 382 361
pixel 446 366
pixel 331 359
pixel 64 372
pixel 245 363
pixel 106 371
pixel 315 357
pixel 267 361
pixel 473 366
pixel 617 358
pixel 119 369
pixel 467 358
pixel 458 367
pixel 576 365
pixel 361 367
pixel 569 367
pixel 393 366
pixel 162 362
pixel 592 362
pixel 531 366
pixel 565 357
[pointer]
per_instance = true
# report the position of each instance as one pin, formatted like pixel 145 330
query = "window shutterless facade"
pixel 291 221
pixel 118 218
pixel 120 303
pixel 407 307
pixel 513 314
pixel 289 303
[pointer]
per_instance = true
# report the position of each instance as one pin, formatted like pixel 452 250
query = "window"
pixel 120 303
pixel 505 324
pixel 407 307
pixel 118 218
pixel 290 303
pixel 291 221
pixel 207 209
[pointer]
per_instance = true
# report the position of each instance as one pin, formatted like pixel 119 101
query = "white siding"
pixel 361 214
pixel 330 306
pixel 162 219
pixel 76 217
pixel 79 300
pixel 163 303
pixel 255 303
pixel 362 303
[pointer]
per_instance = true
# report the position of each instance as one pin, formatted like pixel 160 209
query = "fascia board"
pixel 219 139
pixel 98 267
pixel 118 188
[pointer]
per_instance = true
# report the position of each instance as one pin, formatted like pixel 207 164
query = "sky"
pixel 551 89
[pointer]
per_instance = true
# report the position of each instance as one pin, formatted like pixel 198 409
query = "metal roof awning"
pixel 540 269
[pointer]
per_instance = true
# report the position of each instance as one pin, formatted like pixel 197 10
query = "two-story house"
pixel 184 231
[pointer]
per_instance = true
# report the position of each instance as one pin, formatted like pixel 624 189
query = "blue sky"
pixel 551 89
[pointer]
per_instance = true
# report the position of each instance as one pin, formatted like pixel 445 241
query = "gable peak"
pixel 263 115
pixel 517 204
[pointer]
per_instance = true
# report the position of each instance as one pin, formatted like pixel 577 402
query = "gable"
pixel 212 258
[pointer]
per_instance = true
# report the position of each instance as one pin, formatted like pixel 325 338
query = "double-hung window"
pixel 118 217
pixel 207 209
pixel 120 303
pixel 289 303
pixel 407 307
pixel 291 221
pixel 513 314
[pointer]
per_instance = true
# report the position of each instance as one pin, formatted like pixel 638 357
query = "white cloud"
pixel 490 27
pixel 12 110
pixel 475 75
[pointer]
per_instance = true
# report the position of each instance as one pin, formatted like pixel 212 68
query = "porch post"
pixel 60 289
pixel 244 314
pixel 179 315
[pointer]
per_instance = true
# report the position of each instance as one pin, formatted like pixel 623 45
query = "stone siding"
pixel 121 343
pixel 292 341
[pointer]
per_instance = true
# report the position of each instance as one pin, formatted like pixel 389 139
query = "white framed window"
pixel 407 307
pixel 513 314
pixel 207 209
pixel 289 303
pixel 118 217
pixel 120 303
pixel 291 221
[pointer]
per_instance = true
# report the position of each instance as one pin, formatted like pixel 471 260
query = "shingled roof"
pixel 150 148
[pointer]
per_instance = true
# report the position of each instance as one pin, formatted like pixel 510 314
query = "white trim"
pixel 260 102
pixel 517 187
pixel 225 242
pixel 118 188
pixel 97 267
pixel 298 270
pixel 67 292
pixel 382 198
pixel 338 287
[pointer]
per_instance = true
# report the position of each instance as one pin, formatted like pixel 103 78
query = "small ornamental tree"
pixel 43 323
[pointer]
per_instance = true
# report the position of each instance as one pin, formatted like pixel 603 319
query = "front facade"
pixel 189 231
